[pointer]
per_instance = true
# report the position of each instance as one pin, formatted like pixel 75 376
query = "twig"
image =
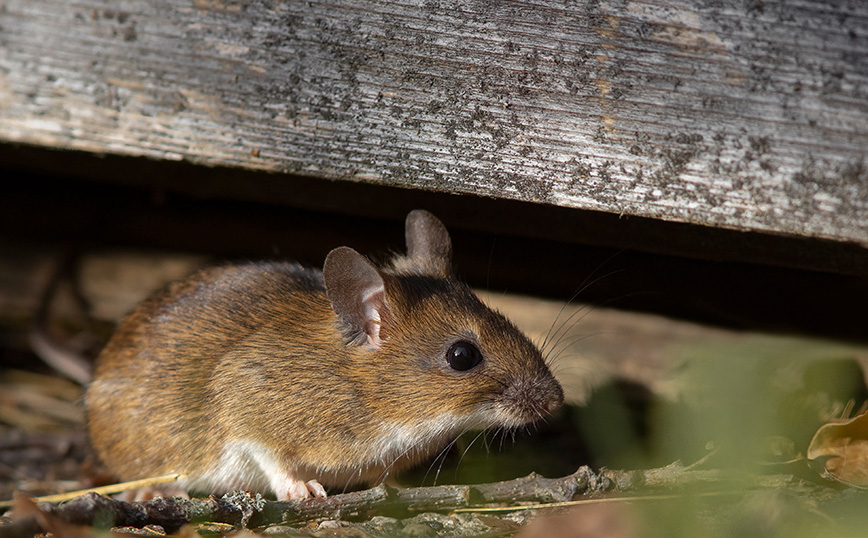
pixel 532 488
pixel 244 510
pixel 600 500
pixel 102 490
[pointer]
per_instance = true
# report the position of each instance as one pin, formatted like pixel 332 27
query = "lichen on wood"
pixel 743 115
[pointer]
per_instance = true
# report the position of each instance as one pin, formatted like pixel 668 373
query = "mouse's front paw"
pixel 316 489
pixel 299 489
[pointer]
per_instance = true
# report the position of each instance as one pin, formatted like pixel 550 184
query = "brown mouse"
pixel 274 377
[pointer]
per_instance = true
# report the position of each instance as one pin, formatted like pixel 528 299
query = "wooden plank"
pixel 742 115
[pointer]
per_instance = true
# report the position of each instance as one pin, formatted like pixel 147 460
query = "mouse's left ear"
pixel 357 294
pixel 428 244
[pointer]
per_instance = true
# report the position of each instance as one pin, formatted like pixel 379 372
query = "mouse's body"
pixel 277 378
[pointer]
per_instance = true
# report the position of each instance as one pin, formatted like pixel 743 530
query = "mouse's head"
pixel 438 352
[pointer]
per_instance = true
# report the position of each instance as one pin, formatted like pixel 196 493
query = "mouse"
pixel 287 380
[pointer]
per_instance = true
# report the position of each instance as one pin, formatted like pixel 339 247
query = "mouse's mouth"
pixel 528 399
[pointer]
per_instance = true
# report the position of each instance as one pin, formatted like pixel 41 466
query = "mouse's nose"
pixel 531 398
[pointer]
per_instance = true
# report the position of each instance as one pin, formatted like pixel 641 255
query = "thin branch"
pixel 102 490
pixel 242 509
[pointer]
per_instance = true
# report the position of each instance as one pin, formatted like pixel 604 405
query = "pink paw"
pixel 299 489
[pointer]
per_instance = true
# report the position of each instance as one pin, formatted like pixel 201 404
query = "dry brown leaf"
pixel 843 447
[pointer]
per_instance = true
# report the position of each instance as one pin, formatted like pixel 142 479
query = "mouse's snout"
pixel 527 399
pixel 555 397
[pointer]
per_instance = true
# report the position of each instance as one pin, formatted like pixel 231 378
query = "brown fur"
pixel 255 352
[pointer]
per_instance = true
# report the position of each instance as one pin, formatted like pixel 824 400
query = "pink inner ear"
pixel 373 299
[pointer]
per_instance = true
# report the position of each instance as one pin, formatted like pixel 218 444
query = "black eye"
pixel 463 356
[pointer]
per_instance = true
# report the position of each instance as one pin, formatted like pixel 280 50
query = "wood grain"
pixel 742 115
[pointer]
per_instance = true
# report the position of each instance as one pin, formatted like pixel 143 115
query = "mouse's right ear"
pixel 428 244
pixel 357 294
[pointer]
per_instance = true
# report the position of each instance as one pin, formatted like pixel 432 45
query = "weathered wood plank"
pixel 744 115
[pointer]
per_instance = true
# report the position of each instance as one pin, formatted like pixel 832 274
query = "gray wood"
pixel 743 115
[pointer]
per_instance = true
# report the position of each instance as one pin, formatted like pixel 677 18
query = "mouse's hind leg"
pixel 284 482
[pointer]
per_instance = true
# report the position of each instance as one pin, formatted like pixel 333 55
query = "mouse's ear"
pixel 428 244
pixel 357 294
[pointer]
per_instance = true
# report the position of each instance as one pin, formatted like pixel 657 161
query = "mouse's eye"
pixel 463 356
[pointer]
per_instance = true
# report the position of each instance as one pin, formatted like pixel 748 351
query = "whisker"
pixel 406 451
pixel 490 257
pixel 504 433
pixel 555 353
pixel 586 310
pixel 582 287
pixel 549 335
pixel 441 457
pixel 464 453
pixel 566 367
